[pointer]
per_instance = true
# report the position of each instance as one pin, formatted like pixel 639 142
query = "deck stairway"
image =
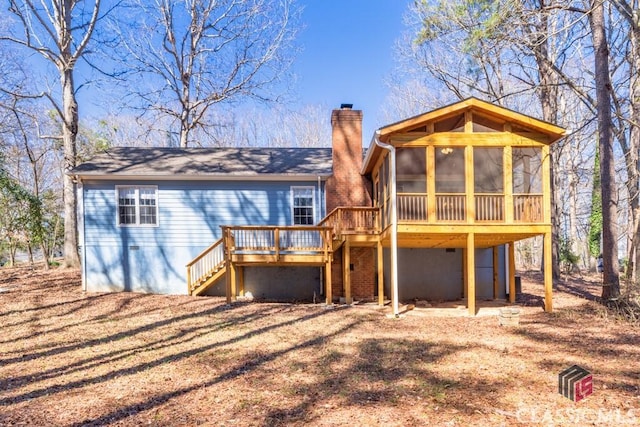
pixel 280 245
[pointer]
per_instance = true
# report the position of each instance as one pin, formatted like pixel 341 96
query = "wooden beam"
pixel 228 243
pixel 380 273
pixel 465 273
pixel 469 184
pixel 546 184
pixel 189 285
pixel 240 277
pixel 468 122
pixel 548 274
pixel 346 271
pixel 232 284
pixel 496 280
pixel 431 184
pixel 328 291
pixel 512 272
pixel 471 274
pixel 508 185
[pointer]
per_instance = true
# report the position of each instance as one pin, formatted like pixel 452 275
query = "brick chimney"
pixel 346 187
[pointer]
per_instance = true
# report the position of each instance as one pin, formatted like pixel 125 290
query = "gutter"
pixel 393 220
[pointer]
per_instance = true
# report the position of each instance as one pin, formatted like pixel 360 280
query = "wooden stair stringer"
pixel 211 280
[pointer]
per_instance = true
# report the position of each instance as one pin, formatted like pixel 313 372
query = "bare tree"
pixel 611 281
pixel 59 31
pixel 190 55
pixel 630 13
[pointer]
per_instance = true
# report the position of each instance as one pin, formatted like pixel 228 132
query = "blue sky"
pixel 348 53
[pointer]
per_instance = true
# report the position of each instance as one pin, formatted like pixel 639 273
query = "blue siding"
pixel 153 259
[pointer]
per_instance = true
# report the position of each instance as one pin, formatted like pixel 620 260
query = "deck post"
pixel 189 291
pixel 226 235
pixel 240 276
pixel 465 275
pixel 380 273
pixel 327 282
pixel 496 282
pixel 471 274
pixel 346 271
pixel 232 282
pixel 548 274
pixel 512 272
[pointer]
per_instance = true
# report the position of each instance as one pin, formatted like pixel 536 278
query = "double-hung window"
pixel 302 205
pixel 137 205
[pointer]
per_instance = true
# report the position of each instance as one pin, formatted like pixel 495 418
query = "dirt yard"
pixel 69 358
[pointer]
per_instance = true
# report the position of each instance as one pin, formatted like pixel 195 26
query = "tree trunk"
pixel 548 95
pixel 634 145
pixel 610 277
pixel 69 134
pixel 45 257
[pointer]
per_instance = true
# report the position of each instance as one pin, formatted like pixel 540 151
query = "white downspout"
pixel 319 216
pixel 81 234
pixel 394 222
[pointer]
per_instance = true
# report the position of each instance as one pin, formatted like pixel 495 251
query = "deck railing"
pixel 489 207
pixel 528 208
pixel 277 239
pixel 451 207
pixel 205 264
pixel 412 207
pixel 343 220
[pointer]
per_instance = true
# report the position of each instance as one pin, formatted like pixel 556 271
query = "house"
pixel 430 211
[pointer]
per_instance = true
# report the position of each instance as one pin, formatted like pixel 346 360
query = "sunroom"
pixel 470 176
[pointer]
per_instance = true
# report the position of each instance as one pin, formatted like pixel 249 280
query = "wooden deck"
pixel 358 226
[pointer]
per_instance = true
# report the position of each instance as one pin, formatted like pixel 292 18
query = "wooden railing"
pixel 489 207
pixel 412 207
pixel 528 208
pixel 451 207
pixel 205 264
pixel 352 220
pixel 276 240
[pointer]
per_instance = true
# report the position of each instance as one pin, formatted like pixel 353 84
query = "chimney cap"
pixel 346 106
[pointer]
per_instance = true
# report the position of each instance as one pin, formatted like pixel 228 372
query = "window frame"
pixel 293 203
pixel 137 206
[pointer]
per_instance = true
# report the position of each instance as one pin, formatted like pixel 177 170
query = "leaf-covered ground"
pixel 69 358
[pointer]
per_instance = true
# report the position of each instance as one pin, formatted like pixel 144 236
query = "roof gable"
pixel 476 105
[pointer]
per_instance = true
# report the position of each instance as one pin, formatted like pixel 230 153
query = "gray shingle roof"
pixel 166 162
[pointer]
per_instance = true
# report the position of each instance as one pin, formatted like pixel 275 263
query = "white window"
pixel 137 205
pixel 302 205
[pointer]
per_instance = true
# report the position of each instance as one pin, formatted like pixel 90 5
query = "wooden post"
pixel 380 273
pixel 508 185
pixel 496 281
pixel 546 184
pixel 469 184
pixel 346 271
pixel 548 274
pixel 226 234
pixel 512 272
pixel 232 282
pixel 471 274
pixel 431 184
pixel 240 276
pixel 465 273
pixel 327 282
pixel 189 291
